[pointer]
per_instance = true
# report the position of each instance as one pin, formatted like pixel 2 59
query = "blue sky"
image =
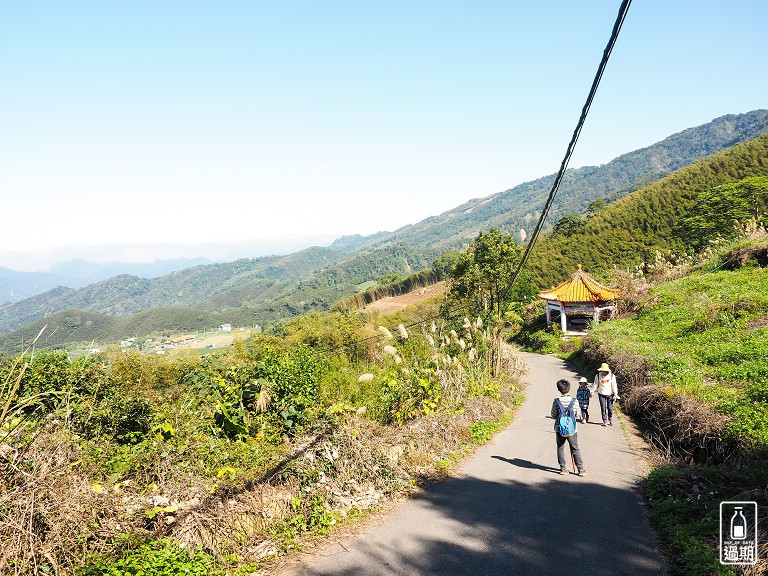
pixel 141 130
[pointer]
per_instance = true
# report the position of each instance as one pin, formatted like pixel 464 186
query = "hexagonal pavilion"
pixel 578 301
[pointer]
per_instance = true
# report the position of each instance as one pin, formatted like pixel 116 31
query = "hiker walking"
pixel 607 391
pixel 565 411
pixel 583 394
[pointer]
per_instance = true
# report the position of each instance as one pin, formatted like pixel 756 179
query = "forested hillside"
pixel 15 286
pixel 265 290
pixel 244 293
pixel 519 207
pixel 677 216
pixel 193 286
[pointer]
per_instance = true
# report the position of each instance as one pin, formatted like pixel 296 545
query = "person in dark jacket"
pixel 559 405
pixel 583 394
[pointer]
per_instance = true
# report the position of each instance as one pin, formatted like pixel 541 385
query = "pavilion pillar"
pixel 563 318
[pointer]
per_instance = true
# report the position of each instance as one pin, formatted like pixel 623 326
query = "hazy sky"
pixel 138 130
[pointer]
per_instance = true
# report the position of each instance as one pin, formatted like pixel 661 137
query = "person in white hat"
pixel 583 394
pixel 607 391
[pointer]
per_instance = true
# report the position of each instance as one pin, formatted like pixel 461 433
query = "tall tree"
pixel 569 225
pixel 596 206
pixel 481 282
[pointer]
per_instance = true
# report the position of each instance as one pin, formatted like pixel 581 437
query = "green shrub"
pixel 541 341
pixel 128 418
pixel 289 378
pixel 408 393
pixel 295 377
pixel 482 430
pixel 47 376
pixel 163 557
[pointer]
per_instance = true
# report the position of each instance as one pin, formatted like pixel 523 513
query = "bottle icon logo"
pixel 738 525
pixel 738 533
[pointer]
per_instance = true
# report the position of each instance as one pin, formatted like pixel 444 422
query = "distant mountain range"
pixel 15 286
pixel 264 290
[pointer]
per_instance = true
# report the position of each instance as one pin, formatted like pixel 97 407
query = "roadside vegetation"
pixel 221 463
pixel 690 345
pixel 123 463
pixel 694 366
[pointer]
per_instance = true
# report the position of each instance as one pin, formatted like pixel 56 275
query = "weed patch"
pixel 685 508
pixel 136 464
pixel 692 364
pixel 163 557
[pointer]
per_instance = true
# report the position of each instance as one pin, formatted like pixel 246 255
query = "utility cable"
pixel 623 9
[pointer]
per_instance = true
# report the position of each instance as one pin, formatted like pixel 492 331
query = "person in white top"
pixel 607 391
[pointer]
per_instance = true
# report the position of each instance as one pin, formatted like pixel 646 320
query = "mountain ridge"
pixel 519 207
pixel 16 286
pixel 268 288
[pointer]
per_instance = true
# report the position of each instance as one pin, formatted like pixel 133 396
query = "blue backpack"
pixel 566 422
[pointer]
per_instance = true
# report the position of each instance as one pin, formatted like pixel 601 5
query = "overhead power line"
pixel 623 9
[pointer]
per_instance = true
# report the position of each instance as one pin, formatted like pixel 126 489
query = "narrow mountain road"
pixel 509 512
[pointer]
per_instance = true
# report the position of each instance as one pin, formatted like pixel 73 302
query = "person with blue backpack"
pixel 565 411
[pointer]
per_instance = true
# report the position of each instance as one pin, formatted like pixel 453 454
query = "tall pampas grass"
pixel 264 400
pixel 386 333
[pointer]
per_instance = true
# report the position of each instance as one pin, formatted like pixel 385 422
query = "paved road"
pixel 509 512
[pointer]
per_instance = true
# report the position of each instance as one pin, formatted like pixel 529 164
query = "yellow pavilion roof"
pixel 580 287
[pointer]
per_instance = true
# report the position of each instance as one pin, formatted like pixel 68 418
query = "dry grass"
pixel 680 427
pixel 354 467
pixel 49 516
pixel 52 518
pixel 633 291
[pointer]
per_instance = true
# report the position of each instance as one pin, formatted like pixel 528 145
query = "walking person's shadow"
pixel 527 464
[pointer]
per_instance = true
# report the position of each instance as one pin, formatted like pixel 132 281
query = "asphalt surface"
pixel 509 511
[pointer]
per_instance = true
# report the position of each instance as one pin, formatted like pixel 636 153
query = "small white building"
pixel 226 327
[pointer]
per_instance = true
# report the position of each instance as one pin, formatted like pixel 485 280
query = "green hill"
pixel 519 207
pixel 194 286
pixel 675 216
pixel 627 233
pixel 244 292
